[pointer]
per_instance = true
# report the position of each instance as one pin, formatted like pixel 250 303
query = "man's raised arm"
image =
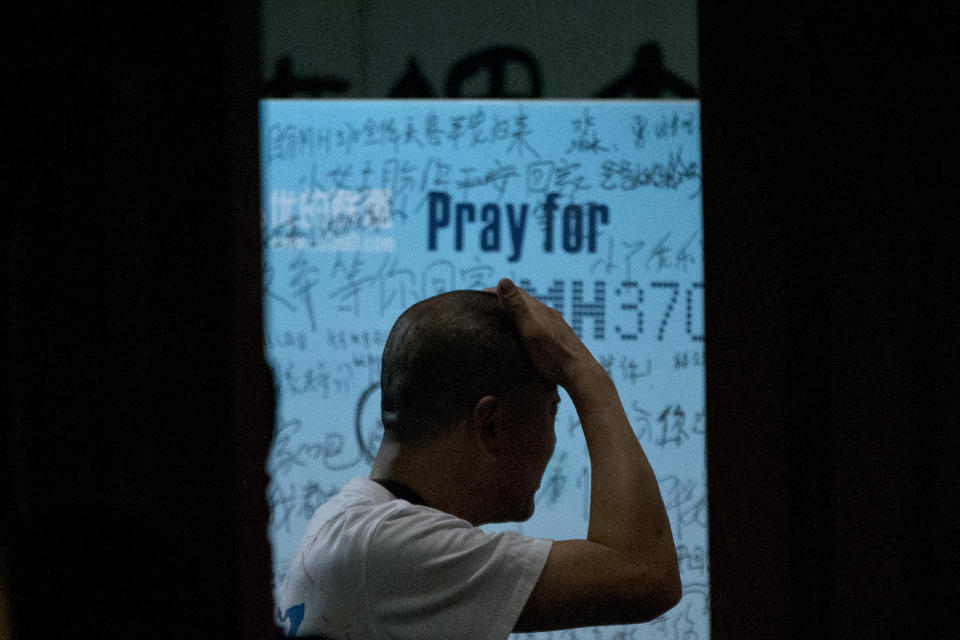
pixel 626 570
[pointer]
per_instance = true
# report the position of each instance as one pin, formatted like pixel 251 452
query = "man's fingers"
pixel 510 296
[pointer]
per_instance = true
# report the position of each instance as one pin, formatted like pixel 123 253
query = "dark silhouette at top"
pixel 648 78
pixel 495 60
pixel 285 84
pixel 412 84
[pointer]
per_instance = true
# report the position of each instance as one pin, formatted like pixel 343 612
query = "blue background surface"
pixel 354 233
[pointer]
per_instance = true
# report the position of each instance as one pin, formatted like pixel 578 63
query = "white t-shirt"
pixel 372 566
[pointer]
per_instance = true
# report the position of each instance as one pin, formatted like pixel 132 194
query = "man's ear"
pixel 486 425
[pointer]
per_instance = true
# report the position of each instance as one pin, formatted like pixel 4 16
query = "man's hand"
pixel 552 345
pixel 626 570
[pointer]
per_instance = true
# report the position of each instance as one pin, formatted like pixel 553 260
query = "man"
pixel 469 398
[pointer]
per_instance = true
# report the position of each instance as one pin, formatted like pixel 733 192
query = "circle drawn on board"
pixel 367 423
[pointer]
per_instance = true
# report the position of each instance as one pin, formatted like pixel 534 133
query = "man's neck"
pixel 441 473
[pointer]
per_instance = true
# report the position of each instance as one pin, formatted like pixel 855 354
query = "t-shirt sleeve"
pixel 430 574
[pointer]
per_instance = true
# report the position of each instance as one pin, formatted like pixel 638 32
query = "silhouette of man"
pixel 469 398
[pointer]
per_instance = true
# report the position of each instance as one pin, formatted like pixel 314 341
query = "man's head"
pixel 443 355
pixel 455 361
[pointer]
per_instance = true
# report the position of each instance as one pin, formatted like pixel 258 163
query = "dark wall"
pixel 832 443
pixel 139 402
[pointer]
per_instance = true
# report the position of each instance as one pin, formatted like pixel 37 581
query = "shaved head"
pixel 442 355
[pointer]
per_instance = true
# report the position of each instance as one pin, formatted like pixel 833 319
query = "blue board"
pixel 593 207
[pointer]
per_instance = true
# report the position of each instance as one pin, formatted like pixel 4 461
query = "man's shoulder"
pixel 364 513
pixel 361 503
pixel 366 524
pixel 369 557
pixel 327 573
